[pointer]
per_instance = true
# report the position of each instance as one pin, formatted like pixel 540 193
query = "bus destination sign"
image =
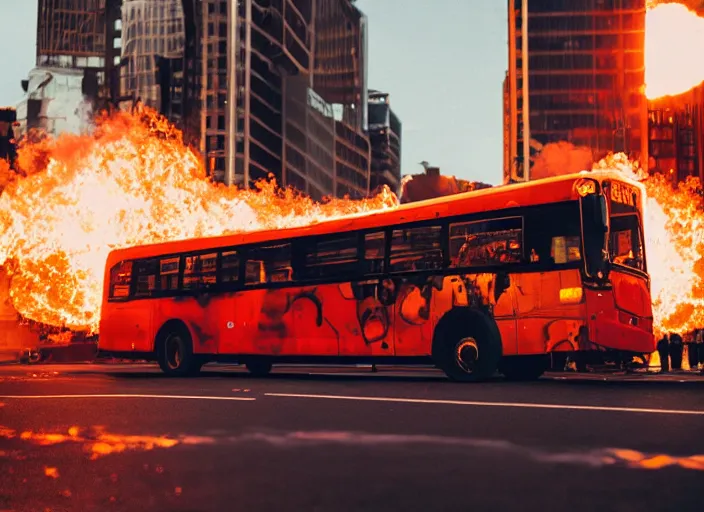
pixel 623 195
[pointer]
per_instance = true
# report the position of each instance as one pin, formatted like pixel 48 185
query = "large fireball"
pixel 132 182
pixel 674 42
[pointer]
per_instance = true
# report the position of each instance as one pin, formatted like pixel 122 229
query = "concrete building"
pixel 77 65
pixel 83 35
pixel 385 139
pixel 584 64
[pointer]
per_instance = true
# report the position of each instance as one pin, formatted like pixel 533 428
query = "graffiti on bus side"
pixel 378 303
pixel 407 300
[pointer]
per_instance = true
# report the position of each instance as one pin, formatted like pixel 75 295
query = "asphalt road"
pixel 104 438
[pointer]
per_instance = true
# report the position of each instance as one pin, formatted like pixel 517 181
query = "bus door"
pixel 134 318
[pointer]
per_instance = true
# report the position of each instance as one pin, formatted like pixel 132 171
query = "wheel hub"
pixel 467 354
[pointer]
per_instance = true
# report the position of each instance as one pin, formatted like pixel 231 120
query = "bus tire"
pixel 524 368
pixel 258 367
pixel 175 351
pixel 467 345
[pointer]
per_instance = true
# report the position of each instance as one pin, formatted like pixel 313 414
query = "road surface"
pixel 104 438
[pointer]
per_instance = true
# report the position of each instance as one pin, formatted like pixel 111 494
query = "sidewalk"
pixel 636 376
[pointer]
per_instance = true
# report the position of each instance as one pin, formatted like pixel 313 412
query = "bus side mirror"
pixel 594 206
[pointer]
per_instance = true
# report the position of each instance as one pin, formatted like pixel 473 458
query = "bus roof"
pixel 548 190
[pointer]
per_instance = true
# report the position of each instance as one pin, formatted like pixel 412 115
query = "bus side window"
pixel 199 272
pixel 147 273
pixel 120 278
pixel 269 264
pixel 418 248
pixel 168 272
pixel 229 267
pixel 374 252
pixel 330 257
pixel 486 242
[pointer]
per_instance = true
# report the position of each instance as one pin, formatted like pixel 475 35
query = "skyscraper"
pixel 278 88
pixel 152 37
pixel 585 70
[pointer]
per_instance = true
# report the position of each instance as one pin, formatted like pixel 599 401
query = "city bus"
pixel 479 283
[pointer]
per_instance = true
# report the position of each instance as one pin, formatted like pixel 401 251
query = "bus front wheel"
pixel 175 352
pixel 467 347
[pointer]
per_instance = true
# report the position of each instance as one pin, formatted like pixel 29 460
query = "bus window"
pixel 553 234
pixel 120 278
pixel 330 257
pixel 146 272
pixel 268 264
pixel 229 267
pixel 626 247
pixel 374 252
pixel 168 271
pixel 416 249
pixel 487 242
pixel 199 271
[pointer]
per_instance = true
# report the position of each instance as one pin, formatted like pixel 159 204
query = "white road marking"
pixel 177 397
pixel 493 404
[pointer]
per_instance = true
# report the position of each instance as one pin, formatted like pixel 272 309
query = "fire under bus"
pixel 495 279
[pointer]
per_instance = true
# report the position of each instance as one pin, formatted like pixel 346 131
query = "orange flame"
pixel 132 182
pixel 674 240
pixel 674 38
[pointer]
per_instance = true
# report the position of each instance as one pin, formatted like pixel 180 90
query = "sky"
pixel 443 63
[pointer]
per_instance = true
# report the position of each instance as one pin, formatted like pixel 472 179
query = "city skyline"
pixel 443 130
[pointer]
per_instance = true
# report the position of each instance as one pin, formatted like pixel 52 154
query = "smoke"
pixel 559 158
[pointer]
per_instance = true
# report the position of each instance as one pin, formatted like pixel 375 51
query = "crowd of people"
pixel 673 348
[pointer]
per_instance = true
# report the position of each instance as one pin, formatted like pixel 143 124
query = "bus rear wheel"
pixel 258 367
pixel 467 347
pixel 175 353
pixel 524 368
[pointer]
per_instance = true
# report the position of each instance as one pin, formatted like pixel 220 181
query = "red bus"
pixel 495 279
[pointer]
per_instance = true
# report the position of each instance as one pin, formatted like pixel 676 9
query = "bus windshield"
pixel 626 241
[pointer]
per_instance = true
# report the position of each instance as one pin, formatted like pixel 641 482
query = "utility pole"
pixel 525 92
pixel 231 110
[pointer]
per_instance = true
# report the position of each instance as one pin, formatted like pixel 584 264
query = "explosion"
pixel 131 182
pixel 674 246
pixel 674 38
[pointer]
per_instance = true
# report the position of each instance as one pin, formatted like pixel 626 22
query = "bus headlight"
pixel 585 187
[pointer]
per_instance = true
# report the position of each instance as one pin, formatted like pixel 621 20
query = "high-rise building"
pixel 385 138
pixel 81 34
pixel 290 64
pixel 585 75
pixel 152 51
